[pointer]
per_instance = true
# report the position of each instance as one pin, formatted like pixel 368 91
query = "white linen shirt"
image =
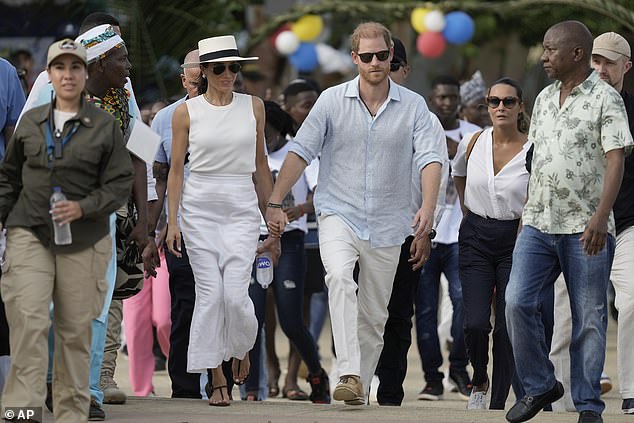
pixel 488 195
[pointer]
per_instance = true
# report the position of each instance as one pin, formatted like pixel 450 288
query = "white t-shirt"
pixel 449 225
pixel 500 196
pixel 307 182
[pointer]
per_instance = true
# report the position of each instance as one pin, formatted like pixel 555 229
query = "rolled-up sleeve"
pixel 310 138
pixel 429 139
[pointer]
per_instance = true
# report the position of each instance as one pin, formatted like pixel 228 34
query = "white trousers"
pixel 221 226
pixel 358 318
pixel 622 277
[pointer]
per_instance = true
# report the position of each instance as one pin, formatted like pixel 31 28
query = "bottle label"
pixel 264 263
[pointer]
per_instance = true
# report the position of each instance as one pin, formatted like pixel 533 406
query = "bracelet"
pixel 432 233
pixel 273 205
pixel 301 209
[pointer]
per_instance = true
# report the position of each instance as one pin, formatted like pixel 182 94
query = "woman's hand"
pixel 272 245
pixel 66 211
pixel 173 240
pixel 294 213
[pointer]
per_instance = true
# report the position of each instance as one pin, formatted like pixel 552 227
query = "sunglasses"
pixel 219 69
pixel 381 55
pixel 508 102
pixel 395 66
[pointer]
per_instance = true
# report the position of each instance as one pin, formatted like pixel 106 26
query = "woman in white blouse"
pixel 492 180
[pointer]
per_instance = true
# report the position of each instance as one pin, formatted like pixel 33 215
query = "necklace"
pixel 367 108
pixel 212 103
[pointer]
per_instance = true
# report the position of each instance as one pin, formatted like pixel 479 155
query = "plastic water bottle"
pixel 62 231
pixel 264 270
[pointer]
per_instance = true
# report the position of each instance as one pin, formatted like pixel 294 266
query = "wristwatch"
pixel 432 233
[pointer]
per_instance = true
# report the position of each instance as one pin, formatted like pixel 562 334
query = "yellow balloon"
pixel 418 19
pixel 308 27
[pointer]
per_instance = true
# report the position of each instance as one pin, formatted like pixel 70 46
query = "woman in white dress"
pixel 223 132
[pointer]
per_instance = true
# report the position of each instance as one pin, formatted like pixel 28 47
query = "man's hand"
pixel 276 221
pixel 66 211
pixel 293 213
pixel 139 236
pixel 423 222
pixel 595 235
pixel 419 252
pixel 273 245
pixel 151 259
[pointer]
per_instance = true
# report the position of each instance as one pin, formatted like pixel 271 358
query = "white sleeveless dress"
pixel 220 224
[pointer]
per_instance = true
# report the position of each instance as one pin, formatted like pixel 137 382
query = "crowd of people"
pixel 528 220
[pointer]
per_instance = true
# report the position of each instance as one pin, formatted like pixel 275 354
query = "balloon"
pixel 308 27
pixel 287 43
pixel 435 21
pixel 431 44
pixel 418 19
pixel 278 31
pixel 459 27
pixel 305 58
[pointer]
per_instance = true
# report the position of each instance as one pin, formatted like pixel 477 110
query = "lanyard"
pixel 55 147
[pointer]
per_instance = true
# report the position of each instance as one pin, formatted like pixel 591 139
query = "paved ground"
pixel 160 409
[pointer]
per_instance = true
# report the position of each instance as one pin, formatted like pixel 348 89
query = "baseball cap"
pixel 65 46
pixel 611 46
pixel 400 56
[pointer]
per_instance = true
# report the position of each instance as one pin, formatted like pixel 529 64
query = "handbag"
pixel 129 280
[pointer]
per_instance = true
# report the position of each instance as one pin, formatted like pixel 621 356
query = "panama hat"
pixel 220 49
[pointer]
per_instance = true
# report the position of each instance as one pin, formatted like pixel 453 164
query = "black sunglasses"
pixel 396 66
pixel 508 102
pixel 381 55
pixel 219 69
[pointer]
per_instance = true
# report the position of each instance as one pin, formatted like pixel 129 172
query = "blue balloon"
pixel 459 27
pixel 305 57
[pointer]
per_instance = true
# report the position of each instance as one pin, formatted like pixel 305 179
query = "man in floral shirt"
pixel 580 132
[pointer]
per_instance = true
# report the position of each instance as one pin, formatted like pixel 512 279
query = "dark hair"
pixel 523 121
pixel 279 119
pixel 444 80
pixel 95 19
pixel 299 86
pixel 202 81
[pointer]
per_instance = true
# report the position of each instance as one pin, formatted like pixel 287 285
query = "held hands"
pixel 276 221
pixel 66 211
pixel 273 245
pixel 423 222
pixel 150 255
pixel 595 235
pixel 139 236
pixel 419 252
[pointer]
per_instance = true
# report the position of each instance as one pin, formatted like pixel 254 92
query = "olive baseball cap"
pixel 65 46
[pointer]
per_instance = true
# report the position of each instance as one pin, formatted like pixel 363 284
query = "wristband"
pixel 273 205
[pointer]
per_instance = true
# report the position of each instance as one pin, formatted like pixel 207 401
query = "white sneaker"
pixel 477 401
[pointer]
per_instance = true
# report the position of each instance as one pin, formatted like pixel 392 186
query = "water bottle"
pixel 264 270
pixel 62 231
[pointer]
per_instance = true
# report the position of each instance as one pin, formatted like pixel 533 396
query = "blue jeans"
pixel 443 259
pixel 99 327
pixel 538 260
pixel 288 287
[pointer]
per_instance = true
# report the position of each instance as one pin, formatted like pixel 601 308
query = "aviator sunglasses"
pixel 219 69
pixel 508 102
pixel 381 55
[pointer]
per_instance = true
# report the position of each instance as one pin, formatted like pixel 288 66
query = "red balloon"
pixel 431 44
pixel 278 31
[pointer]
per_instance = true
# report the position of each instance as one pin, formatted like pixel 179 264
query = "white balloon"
pixel 435 21
pixel 287 43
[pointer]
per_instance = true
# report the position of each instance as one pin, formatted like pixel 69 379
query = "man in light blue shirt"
pixel 369 132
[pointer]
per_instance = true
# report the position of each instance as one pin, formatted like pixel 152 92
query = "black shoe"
pixel 320 387
pixel 96 413
pixel 529 406
pixel 461 379
pixel 628 406
pixel 588 416
pixel 432 392
pixel 49 397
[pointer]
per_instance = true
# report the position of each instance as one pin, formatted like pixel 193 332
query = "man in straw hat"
pixel 91 165
pixel 363 203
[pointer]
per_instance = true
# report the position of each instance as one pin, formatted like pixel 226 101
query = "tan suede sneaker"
pixel 350 390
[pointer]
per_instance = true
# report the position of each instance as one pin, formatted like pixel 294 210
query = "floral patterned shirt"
pixel 569 159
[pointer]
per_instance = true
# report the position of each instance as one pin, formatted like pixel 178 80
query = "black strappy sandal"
pixel 223 402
